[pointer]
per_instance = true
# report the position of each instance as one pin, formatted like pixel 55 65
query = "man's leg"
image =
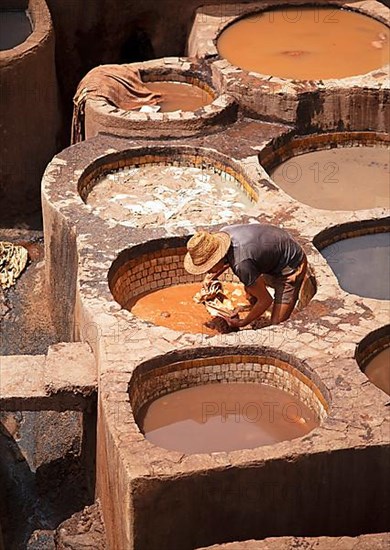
pixel 286 294
pixel 281 312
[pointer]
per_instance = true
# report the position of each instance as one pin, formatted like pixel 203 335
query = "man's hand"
pixel 241 309
pixel 234 322
pixel 263 300
pixel 215 272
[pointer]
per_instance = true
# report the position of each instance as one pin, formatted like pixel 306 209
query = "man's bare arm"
pixel 263 302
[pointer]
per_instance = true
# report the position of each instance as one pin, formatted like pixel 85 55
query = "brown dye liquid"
pixel 15 27
pixel 361 264
pixel 346 178
pixel 224 417
pixel 306 43
pixel 173 307
pixel 180 96
pixel 378 370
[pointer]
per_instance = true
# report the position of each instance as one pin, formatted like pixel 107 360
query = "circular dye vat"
pixel 361 264
pixel 306 43
pixel 180 96
pixel 343 178
pixel 173 307
pixel 169 196
pixel 378 370
pixel 224 417
pixel 15 28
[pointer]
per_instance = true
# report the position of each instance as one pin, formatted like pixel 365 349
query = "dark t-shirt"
pixel 258 249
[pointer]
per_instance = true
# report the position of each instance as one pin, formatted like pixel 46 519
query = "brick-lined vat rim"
pixel 167 154
pixel 372 344
pixel 42 29
pixel 196 357
pixel 293 145
pixel 138 250
pixel 366 8
pixel 347 230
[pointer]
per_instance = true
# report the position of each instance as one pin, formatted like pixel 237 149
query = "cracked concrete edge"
pixel 67 368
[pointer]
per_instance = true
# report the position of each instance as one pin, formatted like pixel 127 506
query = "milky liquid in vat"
pixel 306 43
pixel 173 307
pixel 224 417
pixel 169 196
pixel 362 264
pixel 344 178
pixel 179 96
pixel 15 27
pixel 378 370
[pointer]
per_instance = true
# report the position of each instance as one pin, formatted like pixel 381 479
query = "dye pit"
pixel 344 178
pixel 378 370
pixel 224 417
pixel 173 307
pixel 361 264
pixel 15 28
pixel 306 43
pixel 169 196
pixel 180 96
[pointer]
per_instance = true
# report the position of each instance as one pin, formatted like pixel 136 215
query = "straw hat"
pixel 205 250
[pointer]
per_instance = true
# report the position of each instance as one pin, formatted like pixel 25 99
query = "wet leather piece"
pixel 118 85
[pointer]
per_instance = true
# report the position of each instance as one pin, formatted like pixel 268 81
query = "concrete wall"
pixel 326 494
pixel 60 267
pixel 29 114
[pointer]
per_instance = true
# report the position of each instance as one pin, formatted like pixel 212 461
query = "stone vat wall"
pixel 29 114
pixel 344 104
pixel 61 265
pixel 105 118
pixel 150 272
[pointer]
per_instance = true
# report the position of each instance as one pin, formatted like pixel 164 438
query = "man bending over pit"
pixel 260 255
